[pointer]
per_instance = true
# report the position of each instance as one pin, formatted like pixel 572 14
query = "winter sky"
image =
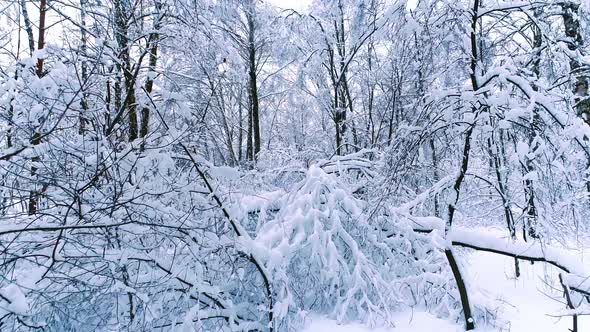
pixel 298 5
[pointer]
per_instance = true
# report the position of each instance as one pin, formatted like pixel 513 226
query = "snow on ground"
pixel 417 321
pixel 528 301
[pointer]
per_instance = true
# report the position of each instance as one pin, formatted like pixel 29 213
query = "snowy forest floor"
pixel 531 302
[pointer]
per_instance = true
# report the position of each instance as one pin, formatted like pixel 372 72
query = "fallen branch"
pixel 531 251
pixel 576 277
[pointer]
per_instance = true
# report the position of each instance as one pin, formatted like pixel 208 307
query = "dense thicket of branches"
pixel 230 165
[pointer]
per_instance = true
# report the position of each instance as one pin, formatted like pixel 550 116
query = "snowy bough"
pixel 333 250
pixel 207 255
pixel 227 166
pixel 324 256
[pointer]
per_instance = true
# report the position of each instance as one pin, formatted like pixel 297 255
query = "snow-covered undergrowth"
pixel 217 254
pixel 225 165
pixel 532 302
pixel 277 253
pixel 331 251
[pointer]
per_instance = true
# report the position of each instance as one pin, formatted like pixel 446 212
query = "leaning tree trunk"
pixel 463 294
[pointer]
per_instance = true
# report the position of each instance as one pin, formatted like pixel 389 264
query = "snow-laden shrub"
pixel 319 250
pixel 158 251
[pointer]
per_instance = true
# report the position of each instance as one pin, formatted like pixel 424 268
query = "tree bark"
pixel 339 88
pixel 36 139
pixel 83 51
pixel 570 303
pixel 571 22
pixel 41 39
pixel 153 58
pixel 533 134
pixel 469 321
pixel 463 295
pixel 249 146
pixel 28 27
pixel 240 128
pixel 252 61
pixel 121 23
pixel 496 163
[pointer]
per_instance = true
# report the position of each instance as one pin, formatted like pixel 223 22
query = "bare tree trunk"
pixel 370 98
pixel 153 58
pixel 394 115
pixel 121 23
pixel 571 22
pixel 249 146
pixel 339 120
pixel 373 136
pixel 533 134
pixel 435 174
pixel 41 39
pixel 220 97
pixel 83 49
pixel 496 162
pixel 118 89
pixel 36 139
pixel 121 34
pixel 31 44
pixel 107 114
pixel 463 295
pixel 240 128
pixel 469 321
pixel 340 97
pixel 28 27
pixel 254 103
